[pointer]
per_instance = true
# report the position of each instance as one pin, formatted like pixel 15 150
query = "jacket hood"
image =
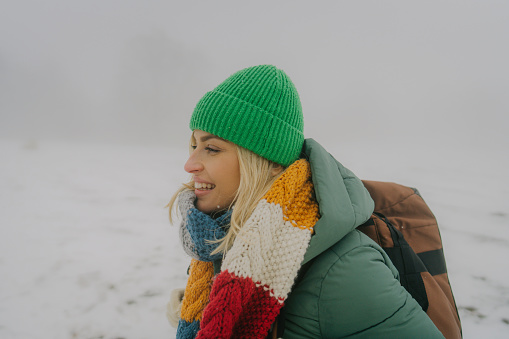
pixel 344 202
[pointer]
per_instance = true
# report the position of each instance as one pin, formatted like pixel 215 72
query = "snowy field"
pixel 87 252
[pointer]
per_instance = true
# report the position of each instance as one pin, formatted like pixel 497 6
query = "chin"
pixel 204 208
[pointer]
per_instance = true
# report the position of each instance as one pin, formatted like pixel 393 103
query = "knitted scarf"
pixel 258 271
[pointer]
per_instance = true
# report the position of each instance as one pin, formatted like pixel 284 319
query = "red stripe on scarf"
pixel 238 308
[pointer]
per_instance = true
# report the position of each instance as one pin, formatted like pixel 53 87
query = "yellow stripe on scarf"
pixel 294 190
pixel 197 291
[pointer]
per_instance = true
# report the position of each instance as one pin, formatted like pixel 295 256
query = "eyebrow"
pixel 211 136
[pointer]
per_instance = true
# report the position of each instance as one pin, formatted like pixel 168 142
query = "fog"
pixel 131 72
pixel 95 100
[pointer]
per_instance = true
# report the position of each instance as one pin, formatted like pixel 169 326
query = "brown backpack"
pixel 404 226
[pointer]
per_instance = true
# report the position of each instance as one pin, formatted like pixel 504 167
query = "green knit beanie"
pixel 257 108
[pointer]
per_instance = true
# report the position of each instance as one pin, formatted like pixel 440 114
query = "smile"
pixel 203 186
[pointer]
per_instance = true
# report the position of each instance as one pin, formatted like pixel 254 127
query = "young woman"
pixel 269 220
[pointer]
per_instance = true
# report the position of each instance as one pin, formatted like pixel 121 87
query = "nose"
pixel 193 164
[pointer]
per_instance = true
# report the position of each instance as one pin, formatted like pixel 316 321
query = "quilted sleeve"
pixel 361 297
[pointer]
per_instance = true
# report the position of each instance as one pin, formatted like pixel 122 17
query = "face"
pixel 214 165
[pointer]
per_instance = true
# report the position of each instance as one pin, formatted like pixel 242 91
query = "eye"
pixel 211 150
pixel 193 146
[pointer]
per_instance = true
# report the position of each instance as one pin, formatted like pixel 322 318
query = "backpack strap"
pixel 408 264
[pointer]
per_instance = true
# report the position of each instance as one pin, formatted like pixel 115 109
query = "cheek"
pixel 235 182
pixel 233 176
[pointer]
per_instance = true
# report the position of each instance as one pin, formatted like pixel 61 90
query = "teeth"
pixel 203 186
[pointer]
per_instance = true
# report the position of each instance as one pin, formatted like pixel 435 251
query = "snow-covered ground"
pixel 86 249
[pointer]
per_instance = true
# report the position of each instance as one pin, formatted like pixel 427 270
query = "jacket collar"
pixel 343 200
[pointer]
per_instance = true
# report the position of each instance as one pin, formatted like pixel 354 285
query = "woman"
pixel 266 208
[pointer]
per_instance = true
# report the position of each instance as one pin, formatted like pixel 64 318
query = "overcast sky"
pixel 132 71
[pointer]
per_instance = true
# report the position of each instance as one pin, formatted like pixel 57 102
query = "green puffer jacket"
pixel 350 289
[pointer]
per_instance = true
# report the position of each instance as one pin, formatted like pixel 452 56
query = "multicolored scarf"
pixel 258 271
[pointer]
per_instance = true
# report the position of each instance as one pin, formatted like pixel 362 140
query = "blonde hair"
pixel 256 178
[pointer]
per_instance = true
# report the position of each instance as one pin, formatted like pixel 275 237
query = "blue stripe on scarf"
pixel 203 229
pixel 187 330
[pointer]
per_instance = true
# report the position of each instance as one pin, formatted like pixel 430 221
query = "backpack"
pixel 404 226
